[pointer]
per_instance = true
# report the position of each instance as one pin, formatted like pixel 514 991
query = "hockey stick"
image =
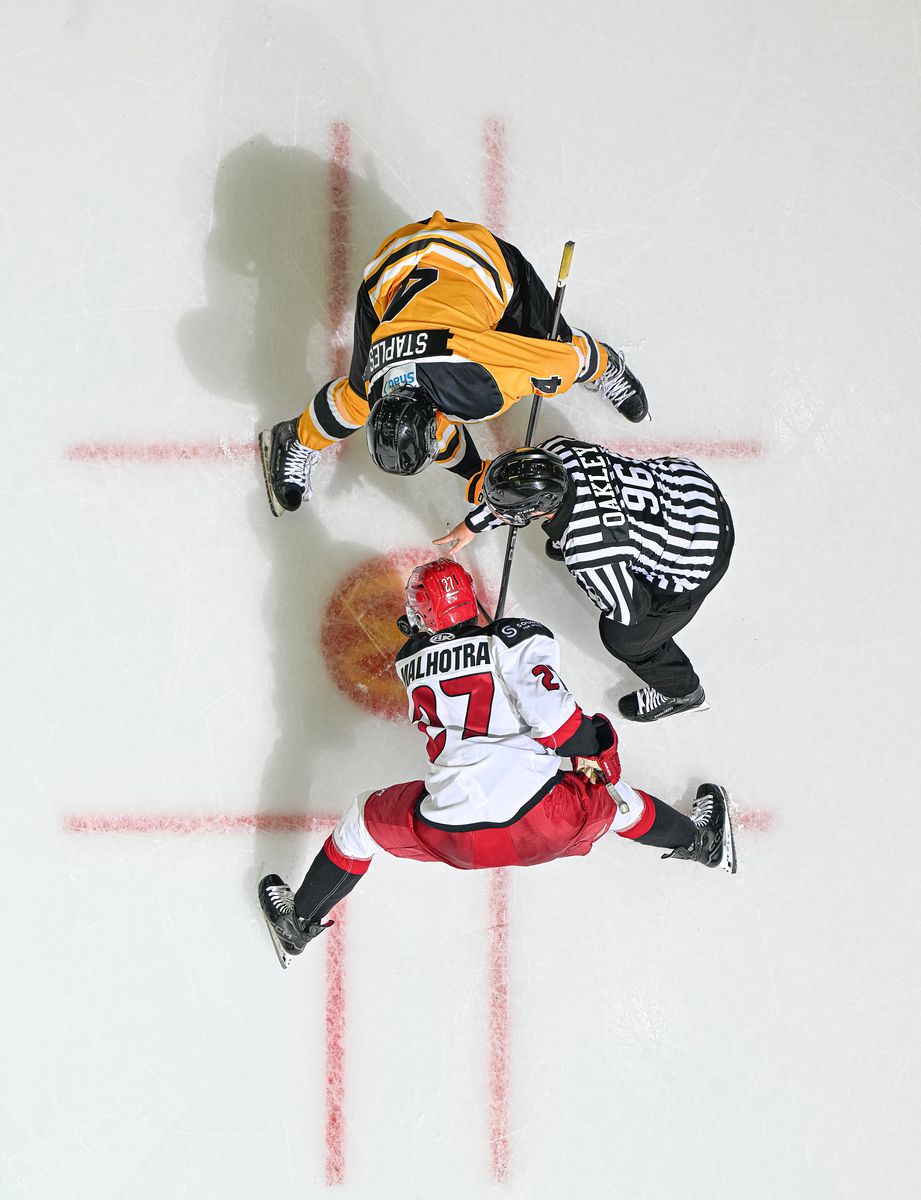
pixel 532 420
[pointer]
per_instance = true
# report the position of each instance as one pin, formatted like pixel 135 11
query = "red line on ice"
pixel 163 452
pixel 758 820
pixel 337 300
pixel 494 146
pixel 242 453
pixel 688 447
pixel 498 1024
pixel 338 263
pixel 201 823
pixel 335 1049
pixel 496 195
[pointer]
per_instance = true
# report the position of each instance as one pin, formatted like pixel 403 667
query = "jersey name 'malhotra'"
pixel 449 658
pixel 492 707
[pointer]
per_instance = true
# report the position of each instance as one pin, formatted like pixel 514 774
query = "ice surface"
pixel 742 183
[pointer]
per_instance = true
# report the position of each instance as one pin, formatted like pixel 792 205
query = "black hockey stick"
pixel 532 420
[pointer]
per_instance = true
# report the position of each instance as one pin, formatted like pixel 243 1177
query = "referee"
pixel 647 541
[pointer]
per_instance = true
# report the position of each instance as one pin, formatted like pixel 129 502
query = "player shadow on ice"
pixel 263 339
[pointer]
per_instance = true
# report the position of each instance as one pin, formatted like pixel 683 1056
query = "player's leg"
pixel 530 313
pixel 705 836
pixel 296 918
pixel 648 648
pixel 291 450
pixel 617 383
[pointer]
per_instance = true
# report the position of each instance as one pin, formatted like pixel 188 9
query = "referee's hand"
pixel 459 537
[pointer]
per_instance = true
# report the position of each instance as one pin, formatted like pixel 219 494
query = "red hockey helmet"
pixel 438 595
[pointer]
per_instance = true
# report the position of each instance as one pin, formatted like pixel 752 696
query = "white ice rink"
pixel 185 189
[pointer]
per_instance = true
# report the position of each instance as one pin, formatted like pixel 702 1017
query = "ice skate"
pixel 619 385
pixel 714 845
pixel 289 932
pixel 649 705
pixel 287 467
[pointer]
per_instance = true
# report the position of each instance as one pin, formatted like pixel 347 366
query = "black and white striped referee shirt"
pixel 628 525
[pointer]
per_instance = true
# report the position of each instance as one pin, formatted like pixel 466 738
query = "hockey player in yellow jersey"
pixel 452 326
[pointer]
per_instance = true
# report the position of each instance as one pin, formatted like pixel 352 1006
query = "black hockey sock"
pixel 670 828
pixel 324 886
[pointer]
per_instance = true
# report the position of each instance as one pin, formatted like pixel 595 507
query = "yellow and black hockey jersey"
pixel 448 306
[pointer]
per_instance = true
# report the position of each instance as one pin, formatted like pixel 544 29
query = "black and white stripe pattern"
pixel 654 520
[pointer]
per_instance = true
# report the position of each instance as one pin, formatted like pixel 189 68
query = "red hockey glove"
pixel 603 767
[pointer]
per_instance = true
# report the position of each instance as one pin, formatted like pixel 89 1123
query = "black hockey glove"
pixel 604 732
pixel 604 765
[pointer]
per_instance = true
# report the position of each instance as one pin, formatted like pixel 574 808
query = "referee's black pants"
pixel 648 648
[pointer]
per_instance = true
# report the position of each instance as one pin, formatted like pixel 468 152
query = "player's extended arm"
pixel 459 537
pixel 462 534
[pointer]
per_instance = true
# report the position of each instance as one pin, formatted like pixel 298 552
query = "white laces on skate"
pixel 281 898
pixel 702 810
pixel 299 462
pixel 648 699
pixel 613 383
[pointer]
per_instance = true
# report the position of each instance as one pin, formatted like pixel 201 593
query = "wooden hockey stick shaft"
pixel 536 401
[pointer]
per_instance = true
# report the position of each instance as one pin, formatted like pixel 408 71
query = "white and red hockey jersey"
pixel 493 708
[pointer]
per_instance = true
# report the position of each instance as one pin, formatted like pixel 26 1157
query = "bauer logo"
pixel 404 377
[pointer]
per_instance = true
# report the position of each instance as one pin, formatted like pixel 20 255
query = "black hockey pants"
pixel 648 647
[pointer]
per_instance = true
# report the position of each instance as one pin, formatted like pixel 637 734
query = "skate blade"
pixel 265 450
pixel 728 862
pixel 283 957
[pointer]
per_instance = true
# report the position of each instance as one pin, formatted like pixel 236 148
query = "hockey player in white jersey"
pixel 499 724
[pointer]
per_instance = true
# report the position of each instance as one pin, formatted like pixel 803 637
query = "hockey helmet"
pixel 401 431
pixel 521 483
pixel 439 595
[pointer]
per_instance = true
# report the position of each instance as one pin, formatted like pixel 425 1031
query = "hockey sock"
pixel 669 829
pixel 326 883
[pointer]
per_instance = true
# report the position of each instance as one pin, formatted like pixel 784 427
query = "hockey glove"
pixel 603 767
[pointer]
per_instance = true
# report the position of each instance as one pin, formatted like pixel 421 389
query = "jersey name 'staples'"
pixel 629 525
pixel 492 707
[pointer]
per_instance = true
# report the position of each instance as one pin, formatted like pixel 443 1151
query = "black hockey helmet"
pixel 401 431
pixel 521 483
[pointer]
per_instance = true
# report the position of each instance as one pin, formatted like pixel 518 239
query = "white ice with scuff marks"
pixel 742 183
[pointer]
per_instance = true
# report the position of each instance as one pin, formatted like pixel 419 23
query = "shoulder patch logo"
pixel 402 376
